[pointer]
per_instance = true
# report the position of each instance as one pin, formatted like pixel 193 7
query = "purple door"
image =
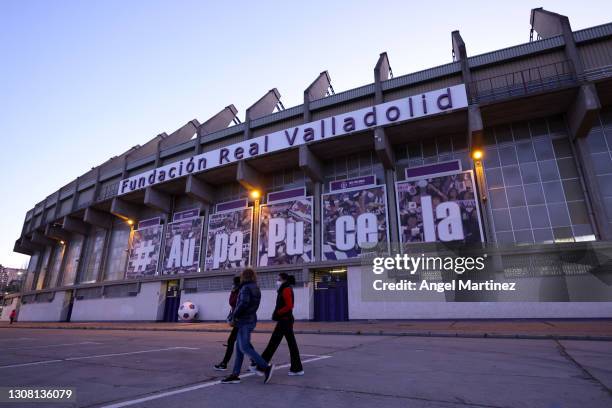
pixel 330 297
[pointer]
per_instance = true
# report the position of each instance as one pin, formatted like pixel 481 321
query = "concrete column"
pixel 313 169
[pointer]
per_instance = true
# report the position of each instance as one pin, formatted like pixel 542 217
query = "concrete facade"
pixel 541 113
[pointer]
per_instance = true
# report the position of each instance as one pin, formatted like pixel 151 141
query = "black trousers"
pixel 284 328
pixel 231 340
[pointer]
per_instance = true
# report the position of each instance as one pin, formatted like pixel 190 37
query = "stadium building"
pixel 509 150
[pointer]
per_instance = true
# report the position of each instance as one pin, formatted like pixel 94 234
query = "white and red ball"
pixel 188 311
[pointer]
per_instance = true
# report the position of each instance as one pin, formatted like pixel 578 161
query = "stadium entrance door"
pixel 173 300
pixel 330 295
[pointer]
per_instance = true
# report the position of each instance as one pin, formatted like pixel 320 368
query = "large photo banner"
pixel 286 232
pixel 183 240
pixel 354 222
pixel 228 244
pixel 144 252
pixel 440 208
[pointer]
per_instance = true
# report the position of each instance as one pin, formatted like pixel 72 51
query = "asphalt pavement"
pixel 121 368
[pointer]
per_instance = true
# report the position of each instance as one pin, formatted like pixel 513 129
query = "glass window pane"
pixel 414 150
pixel 73 255
pixel 56 264
pixel 553 192
pixel 559 216
pixel 578 212
pixel 534 194
pixel 498 198
pixel 95 248
pixel 567 168
pixel 523 237
pixel 583 232
pixel 563 234
pixel 520 130
pixel 501 220
pixel 512 176
pixel 459 142
pixel 117 252
pixel 602 163
pixel 491 158
pixel 573 190
pixel 543 149
pixel 507 155
pixel 505 237
pixel 516 196
pixel 494 178
pixel 596 141
pixel 530 173
pixel 605 183
pixel 538 127
pixel 562 147
pixel 503 133
pixel 548 170
pixel 520 218
pixel 539 216
pixel 543 235
pixel 525 152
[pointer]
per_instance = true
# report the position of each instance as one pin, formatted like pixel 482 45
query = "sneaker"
pixel 253 368
pixel 295 373
pixel 231 379
pixel 220 367
pixel 268 373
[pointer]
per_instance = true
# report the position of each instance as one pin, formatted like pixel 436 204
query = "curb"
pixel 475 335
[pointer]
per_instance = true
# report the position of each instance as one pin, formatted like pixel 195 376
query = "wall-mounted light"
pixel 477 154
pixel 62 242
pixel 255 194
pixel 130 222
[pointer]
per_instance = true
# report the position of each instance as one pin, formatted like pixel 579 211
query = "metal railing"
pixel 524 82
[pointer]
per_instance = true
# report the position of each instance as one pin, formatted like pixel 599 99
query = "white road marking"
pixel 196 387
pixel 51 345
pixel 30 364
pixel 131 352
pixel 97 356
pixel 19 338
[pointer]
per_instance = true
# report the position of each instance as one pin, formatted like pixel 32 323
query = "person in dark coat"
pixel 283 315
pixel 231 340
pixel 245 319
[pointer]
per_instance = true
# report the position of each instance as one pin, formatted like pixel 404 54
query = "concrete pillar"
pixel 313 169
pixel 248 177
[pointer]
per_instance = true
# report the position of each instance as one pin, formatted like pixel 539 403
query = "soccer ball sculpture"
pixel 187 311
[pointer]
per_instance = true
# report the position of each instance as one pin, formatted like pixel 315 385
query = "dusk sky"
pixel 81 81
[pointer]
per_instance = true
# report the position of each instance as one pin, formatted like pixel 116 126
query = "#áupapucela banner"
pixel 228 244
pixel 438 209
pixel 183 240
pixel 286 232
pixel 144 253
pixel 354 222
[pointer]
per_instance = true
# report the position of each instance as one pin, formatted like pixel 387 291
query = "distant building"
pixel 8 275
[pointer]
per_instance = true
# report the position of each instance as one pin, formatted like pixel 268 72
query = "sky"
pixel 82 81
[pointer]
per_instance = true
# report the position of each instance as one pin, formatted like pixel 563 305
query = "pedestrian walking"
pixel 231 340
pixel 13 316
pixel 283 315
pixel 245 319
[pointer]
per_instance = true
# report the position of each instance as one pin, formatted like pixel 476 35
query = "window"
pixel 117 251
pixel 93 256
pixel 600 145
pixel 54 266
pixel 73 256
pixel 535 194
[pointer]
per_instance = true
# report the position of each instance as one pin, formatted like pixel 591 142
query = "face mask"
pixel 279 283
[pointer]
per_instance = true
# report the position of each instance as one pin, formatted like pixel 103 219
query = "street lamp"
pixel 477 154
pixel 255 194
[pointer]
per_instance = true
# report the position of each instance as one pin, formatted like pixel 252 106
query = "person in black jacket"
pixel 231 340
pixel 283 315
pixel 245 319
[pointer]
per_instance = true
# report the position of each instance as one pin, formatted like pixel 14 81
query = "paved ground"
pixel 174 369
pixel 568 329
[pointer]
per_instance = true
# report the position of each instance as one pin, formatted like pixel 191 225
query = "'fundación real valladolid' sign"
pixel 400 110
